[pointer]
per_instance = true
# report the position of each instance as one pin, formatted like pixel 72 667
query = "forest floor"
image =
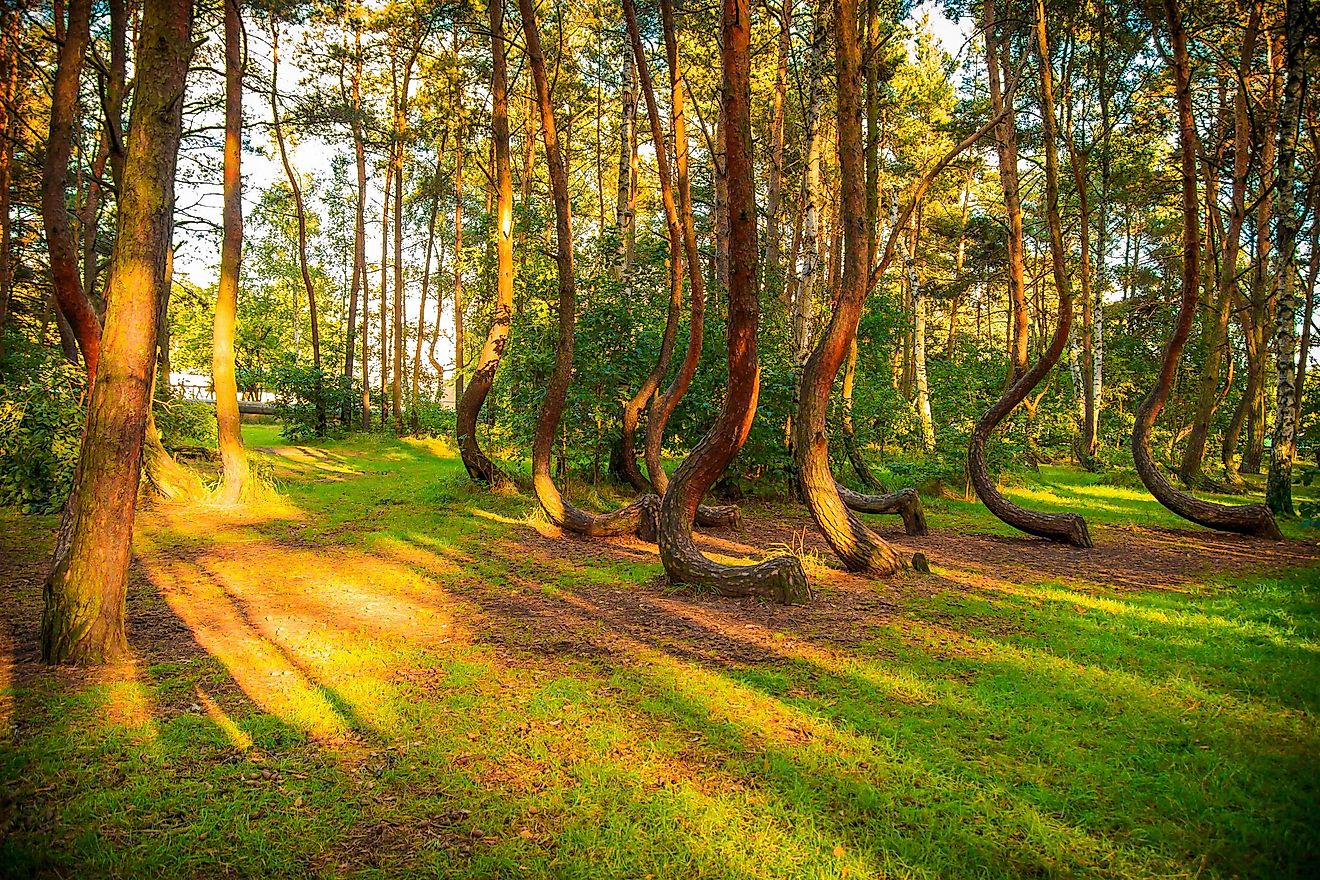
pixel 389 672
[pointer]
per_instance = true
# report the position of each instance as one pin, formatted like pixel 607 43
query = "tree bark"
pixel 782 577
pixel 774 273
pixel 996 48
pixel 10 38
pixel 639 516
pixel 233 457
pixel 632 408
pixel 1283 448
pixel 1250 519
pixel 60 243
pixel 83 619
pixel 479 467
pixel 857 546
pixel 1068 528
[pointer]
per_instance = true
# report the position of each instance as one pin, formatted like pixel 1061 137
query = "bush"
pixel 298 388
pixel 41 422
pixel 185 423
pixel 434 420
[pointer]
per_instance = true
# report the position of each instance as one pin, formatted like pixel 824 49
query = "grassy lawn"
pixel 389 672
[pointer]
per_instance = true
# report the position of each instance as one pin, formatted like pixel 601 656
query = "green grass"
pixel 390 673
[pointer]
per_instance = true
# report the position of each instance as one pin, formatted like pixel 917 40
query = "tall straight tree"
pixel 234 477
pixel 70 297
pixel 1283 448
pixel 83 618
pixel 639 516
pixel 478 464
pixel 300 209
pixel 1251 519
pixel 782 577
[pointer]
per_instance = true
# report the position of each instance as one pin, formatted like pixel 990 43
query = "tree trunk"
pixel 60 243
pixel 1064 527
pixel 421 306
pixel 632 408
pixel 919 374
pixel 479 467
pixel 857 546
pixel 233 457
pixel 10 37
pixel 664 403
pixel 1251 519
pixel 639 516
pixel 1001 105
pixel 301 210
pixel 625 202
pixel 460 356
pixel 774 273
pixel 385 291
pixel 1283 448
pixel 782 577
pixel 854 453
pixel 83 619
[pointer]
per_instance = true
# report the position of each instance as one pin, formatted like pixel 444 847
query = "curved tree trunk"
pixel 479 467
pixel 632 409
pixel 1065 527
pixel 859 465
pixel 83 618
pixel 905 502
pixel 1249 519
pixel 857 546
pixel 782 577
pixel 639 516
pixel 664 404
pixel 63 249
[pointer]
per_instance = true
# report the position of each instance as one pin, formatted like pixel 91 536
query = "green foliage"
pixel 299 388
pixel 185 423
pixel 41 422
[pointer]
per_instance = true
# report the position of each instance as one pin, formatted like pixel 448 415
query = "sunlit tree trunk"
pixel 638 516
pixel 1253 519
pixel 921 380
pixel 1064 527
pixel 478 465
pixel 233 458
pixel 83 619
pixel 997 65
pixel 422 300
pixel 61 245
pixel 774 273
pixel 385 292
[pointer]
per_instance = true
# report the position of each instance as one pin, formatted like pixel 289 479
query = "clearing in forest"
pixel 392 673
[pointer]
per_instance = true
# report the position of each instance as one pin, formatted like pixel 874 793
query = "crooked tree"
pixel 782 577
pixel 639 516
pixel 1250 519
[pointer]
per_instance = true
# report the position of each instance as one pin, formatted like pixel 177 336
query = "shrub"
pixel 41 421
pixel 185 423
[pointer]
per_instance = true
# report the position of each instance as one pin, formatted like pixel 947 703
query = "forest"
pixel 794 438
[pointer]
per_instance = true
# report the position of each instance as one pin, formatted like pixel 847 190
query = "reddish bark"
pixel 780 578
pixel 1251 519
pixel 639 516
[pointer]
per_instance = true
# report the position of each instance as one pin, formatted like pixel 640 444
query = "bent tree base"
pixel 905 502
